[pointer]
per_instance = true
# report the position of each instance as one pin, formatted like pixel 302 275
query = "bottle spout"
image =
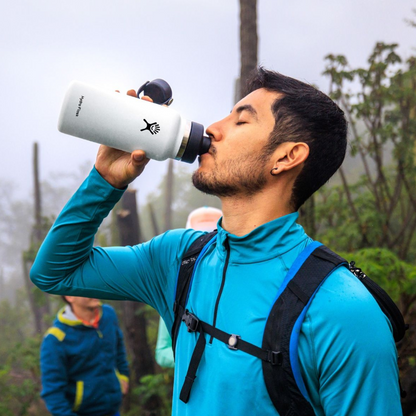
pixel 197 144
pixel 205 145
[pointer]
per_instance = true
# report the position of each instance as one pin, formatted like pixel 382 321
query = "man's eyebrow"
pixel 249 108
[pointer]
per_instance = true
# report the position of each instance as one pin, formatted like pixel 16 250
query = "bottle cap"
pixel 158 90
pixel 198 144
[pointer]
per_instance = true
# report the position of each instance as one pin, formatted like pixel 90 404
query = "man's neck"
pixel 85 314
pixel 243 214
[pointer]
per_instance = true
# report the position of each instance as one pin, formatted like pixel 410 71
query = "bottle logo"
pixel 79 106
pixel 154 128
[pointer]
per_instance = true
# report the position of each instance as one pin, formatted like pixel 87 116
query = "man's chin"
pixel 207 184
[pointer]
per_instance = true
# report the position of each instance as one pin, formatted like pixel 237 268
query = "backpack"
pixel 279 349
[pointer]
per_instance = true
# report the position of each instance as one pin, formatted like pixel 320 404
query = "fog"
pixel 194 45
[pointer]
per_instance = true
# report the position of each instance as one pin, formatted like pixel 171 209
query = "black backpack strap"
pixel 184 281
pixel 284 384
pixel 286 388
pixel 384 301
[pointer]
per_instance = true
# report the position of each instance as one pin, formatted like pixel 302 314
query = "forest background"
pixel 367 213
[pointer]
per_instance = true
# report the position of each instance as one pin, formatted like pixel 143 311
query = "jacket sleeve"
pixel 54 377
pixel 67 262
pixel 164 352
pixel 352 367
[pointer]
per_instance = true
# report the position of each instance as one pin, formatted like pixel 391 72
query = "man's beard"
pixel 243 176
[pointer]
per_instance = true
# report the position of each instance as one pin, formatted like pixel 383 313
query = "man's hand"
pixel 120 168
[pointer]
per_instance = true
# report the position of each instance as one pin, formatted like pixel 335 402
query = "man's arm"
pixel 54 377
pixel 68 264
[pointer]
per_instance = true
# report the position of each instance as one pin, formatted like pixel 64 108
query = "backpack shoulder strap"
pixel 284 383
pixel 184 280
pixel 385 302
pixel 286 388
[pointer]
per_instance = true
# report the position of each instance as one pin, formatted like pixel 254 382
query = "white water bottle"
pixel 127 123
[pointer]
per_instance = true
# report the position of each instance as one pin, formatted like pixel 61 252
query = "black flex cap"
pixel 198 144
pixel 158 90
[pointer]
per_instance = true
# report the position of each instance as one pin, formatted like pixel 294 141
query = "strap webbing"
pixel 233 341
pixel 184 280
pixel 193 367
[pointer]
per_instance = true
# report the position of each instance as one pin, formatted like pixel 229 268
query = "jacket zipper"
pixel 227 247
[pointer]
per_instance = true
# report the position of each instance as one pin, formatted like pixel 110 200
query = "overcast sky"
pixel 193 44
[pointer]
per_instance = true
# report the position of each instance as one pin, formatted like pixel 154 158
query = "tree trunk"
pixel 169 196
pixel 248 42
pixel 153 220
pixel 134 316
pixel 39 327
pixel 39 301
pixel 307 216
pixel 37 231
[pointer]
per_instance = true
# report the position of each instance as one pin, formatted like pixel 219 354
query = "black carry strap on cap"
pixel 158 90
pixel 279 358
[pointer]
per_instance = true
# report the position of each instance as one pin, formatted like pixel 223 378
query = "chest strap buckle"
pixel 275 357
pixel 233 342
pixel 191 321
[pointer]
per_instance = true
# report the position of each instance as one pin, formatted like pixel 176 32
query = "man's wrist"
pixel 112 183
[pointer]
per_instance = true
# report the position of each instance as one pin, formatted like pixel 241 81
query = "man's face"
pixel 236 163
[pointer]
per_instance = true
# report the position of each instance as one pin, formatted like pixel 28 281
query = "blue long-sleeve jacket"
pixel 347 354
pixel 82 366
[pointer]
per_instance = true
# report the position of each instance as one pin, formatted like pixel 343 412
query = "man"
pixel 201 219
pixel 279 144
pixel 83 360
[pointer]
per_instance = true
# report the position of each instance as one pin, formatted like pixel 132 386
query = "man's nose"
pixel 214 131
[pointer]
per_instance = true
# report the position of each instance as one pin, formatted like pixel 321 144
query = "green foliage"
pixel 14 326
pixel 372 213
pixel 156 385
pixel 381 205
pixel 384 267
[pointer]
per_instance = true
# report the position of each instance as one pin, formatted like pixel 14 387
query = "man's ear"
pixel 289 155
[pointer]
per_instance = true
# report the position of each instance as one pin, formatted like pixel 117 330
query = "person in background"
pixel 84 370
pixel 200 219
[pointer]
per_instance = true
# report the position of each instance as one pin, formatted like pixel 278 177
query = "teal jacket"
pixel 82 366
pixel 347 354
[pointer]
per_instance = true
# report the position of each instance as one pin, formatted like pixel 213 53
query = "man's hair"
pixel 304 114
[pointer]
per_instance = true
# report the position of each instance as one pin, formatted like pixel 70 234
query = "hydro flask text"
pixel 79 105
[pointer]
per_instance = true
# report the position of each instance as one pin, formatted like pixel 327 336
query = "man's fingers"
pixel 139 161
pixel 133 93
pixel 146 98
pixel 138 156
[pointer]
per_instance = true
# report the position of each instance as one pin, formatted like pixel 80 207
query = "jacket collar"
pixel 265 242
pixel 67 317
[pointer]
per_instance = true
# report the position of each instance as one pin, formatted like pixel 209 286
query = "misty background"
pixel 120 45
pixel 194 45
